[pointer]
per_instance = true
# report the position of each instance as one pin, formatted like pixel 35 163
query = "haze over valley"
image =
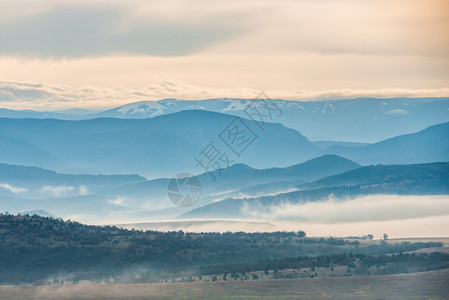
pixel 192 149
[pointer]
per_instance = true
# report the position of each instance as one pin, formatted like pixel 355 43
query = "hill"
pixel 40 213
pixel 37 183
pixel 34 188
pixel 432 178
pixel 234 181
pixel 18 152
pixel 428 145
pixel 425 179
pixel 39 250
pixel 158 147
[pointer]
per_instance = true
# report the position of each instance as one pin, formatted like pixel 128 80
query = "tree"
pixel 301 233
pixel 385 236
pixel 370 236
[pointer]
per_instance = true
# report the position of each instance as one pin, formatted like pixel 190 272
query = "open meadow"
pixel 426 285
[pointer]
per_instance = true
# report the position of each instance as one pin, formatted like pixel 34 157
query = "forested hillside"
pixel 35 249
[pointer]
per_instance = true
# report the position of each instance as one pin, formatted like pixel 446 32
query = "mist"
pixel 365 208
pixel 399 216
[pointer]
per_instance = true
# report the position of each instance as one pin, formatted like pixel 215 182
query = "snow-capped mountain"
pixel 356 120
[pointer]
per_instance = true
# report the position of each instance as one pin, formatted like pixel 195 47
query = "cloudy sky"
pixel 52 52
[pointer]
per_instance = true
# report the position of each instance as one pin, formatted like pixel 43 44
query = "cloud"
pixel 83 190
pixel 304 46
pixel 14 189
pixel 361 209
pixel 68 28
pixel 18 95
pixel 79 30
pixel 57 191
pixel 119 201
pixel 397 112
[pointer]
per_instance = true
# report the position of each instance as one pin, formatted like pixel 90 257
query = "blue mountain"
pixel 157 147
pixel 353 120
pixel 419 179
pixel 428 145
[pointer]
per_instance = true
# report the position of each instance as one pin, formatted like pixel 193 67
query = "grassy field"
pixel 427 285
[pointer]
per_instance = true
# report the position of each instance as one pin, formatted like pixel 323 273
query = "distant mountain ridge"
pixel 431 178
pixel 157 147
pixel 428 145
pixel 22 153
pixel 37 183
pixel 136 195
pixel 236 180
pixel 419 179
pixel 33 114
pixel 20 174
pixel 169 144
pixel 133 197
pixel 341 120
pixel 40 213
pixel 328 144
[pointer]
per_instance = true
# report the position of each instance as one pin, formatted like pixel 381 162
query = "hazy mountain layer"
pixel 188 141
pixel 353 120
pixel 424 179
pixel 428 145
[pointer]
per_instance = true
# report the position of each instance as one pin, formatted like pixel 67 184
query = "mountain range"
pixel 428 145
pixel 52 161
pixel 133 197
pixel 37 183
pixel 419 179
pixel 157 147
pixel 333 120
pixel 237 180
pixel 190 141
pixel 33 188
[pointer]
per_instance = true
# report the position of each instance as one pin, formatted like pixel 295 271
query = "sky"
pixel 98 54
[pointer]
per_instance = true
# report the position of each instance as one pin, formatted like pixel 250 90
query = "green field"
pixel 426 285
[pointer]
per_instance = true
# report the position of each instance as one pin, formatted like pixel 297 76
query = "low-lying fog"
pixel 399 216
